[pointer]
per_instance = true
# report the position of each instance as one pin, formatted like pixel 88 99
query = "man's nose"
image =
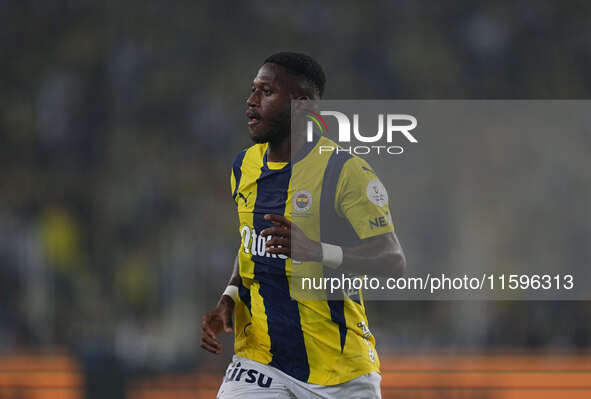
pixel 252 100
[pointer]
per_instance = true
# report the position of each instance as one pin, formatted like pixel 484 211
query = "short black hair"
pixel 302 65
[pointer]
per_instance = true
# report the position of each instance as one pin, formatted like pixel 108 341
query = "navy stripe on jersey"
pixel 236 167
pixel 244 294
pixel 306 148
pixel 337 315
pixel 335 230
pixel 288 349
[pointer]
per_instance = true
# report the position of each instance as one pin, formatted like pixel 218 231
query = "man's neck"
pixel 279 151
pixel 283 150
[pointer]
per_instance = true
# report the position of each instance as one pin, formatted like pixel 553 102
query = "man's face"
pixel 269 102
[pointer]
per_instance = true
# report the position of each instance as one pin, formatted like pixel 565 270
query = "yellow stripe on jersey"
pixel 276 165
pixel 246 194
pixel 313 313
pixel 252 339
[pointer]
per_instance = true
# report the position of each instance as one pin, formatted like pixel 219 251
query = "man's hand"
pixel 214 322
pixel 294 243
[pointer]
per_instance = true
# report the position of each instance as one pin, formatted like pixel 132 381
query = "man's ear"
pixel 301 103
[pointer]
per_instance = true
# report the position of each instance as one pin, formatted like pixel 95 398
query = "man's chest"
pixel 298 199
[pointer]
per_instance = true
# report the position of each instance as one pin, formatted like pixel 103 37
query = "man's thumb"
pixel 227 319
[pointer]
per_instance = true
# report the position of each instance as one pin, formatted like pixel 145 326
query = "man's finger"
pixel 210 348
pixel 227 319
pixel 284 242
pixel 275 231
pixel 209 336
pixel 281 251
pixel 282 220
pixel 209 333
pixel 281 225
pixel 206 328
pixel 211 341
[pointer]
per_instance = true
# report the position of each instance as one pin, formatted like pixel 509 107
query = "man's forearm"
pixel 376 256
pixel 235 277
pixel 233 284
pixel 392 264
pixel 379 255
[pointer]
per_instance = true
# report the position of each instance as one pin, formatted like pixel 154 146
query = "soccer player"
pixel 286 348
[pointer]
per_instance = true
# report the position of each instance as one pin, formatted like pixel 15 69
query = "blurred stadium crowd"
pixel 119 121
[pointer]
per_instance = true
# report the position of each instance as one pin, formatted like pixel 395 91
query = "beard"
pixel 278 131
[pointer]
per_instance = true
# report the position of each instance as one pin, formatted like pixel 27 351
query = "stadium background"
pixel 118 123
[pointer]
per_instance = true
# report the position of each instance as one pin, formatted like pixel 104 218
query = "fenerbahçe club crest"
pixel 302 201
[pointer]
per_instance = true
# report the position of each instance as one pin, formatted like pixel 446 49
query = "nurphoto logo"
pixel 393 125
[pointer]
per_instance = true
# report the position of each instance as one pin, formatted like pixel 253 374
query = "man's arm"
pixel 379 255
pixel 235 277
pixel 220 318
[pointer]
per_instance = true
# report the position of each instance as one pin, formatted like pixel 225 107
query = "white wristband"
pixel 332 255
pixel 232 292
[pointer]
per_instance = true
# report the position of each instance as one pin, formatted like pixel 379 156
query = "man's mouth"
pixel 253 117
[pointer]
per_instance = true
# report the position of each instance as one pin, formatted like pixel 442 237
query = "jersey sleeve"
pixel 363 200
pixel 236 173
pixel 232 182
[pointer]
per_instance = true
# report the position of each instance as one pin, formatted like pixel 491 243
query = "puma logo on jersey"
pixel 245 198
pixel 235 373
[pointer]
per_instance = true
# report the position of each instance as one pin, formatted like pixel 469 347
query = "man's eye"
pixel 267 92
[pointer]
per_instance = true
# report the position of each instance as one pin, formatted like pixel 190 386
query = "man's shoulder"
pixel 344 159
pixel 254 152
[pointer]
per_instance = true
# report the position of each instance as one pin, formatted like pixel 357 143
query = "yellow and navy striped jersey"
pixel 334 198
